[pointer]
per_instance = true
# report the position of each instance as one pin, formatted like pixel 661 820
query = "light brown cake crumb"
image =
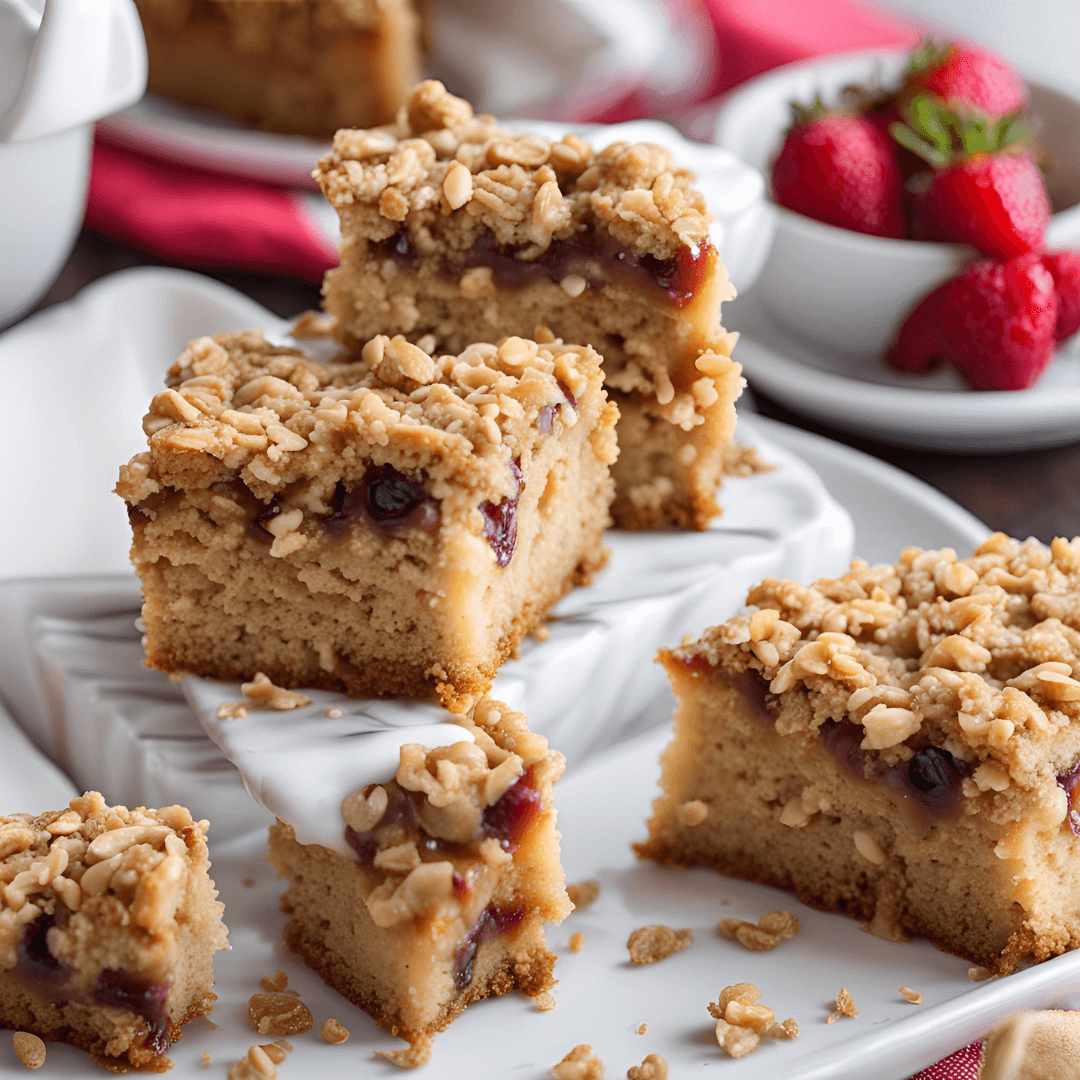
pixel 583 893
pixel 911 995
pixel 741 1022
pixel 410 1057
pixel 545 1002
pixel 978 974
pixel 580 1064
pixel 772 928
pixel 652 943
pixel 334 1032
pixel 279 1014
pixel 232 710
pixel 844 1007
pixel 577 941
pixel 261 691
pixel 275 1052
pixel 275 983
pixel 642 1028
pixel 334 713
pixel 206 1059
pixel 654 1067
pixel 693 812
pixel 29 1049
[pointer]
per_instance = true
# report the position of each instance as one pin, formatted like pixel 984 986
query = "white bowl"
pixel 844 290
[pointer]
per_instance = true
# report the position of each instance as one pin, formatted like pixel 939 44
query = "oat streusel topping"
pixel 978 655
pixel 742 1021
pixel 237 405
pixel 440 161
pixel 110 868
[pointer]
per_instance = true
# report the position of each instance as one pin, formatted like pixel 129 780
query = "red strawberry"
pixel 843 170
pixel 995 202
pixel 995 322
pixel 967 79
pixel 1064 266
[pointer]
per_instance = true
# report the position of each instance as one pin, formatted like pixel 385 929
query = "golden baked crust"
pixel 302 67
pixel 101 905
pixel 900 744
pixel 253 523
pixel 444 903
pixel 454 227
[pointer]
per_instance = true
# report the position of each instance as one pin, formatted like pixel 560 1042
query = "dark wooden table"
pixel 1034 493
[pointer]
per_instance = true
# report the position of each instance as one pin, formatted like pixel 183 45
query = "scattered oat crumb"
pixel 410 1057
pixel 206 1059
pixel 545 1002
pixel 978 974
pixel 583 893
pixel 642 1028
pixel 249 882
pixel 284 1044
pixel 275 1052
pixel 29 1049
pixel 693 812
pixel 772 928
pixel 741 1023
pixel 334 1032
pixel 541 632
pixel 911 995
pixel 844 1007
pixel 275 983
pixel 580 1064
pixel 232 710
pixel 279 1014
pixel 261 691
pixel 653 943
pixel 577 940
pixel 334 713
pixel 256 1066
pixel 654 1067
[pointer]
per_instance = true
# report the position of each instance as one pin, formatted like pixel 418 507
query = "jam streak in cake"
pixel 598 259
pixel 386 499
pixel 930 783
pixel 500 521
pixel 38 970
pixel 492 923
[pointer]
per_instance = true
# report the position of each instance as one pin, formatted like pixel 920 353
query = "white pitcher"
pixel 59 72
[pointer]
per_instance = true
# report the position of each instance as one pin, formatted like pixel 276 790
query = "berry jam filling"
pixel 40 971
pixel 258 529
pixel 1069 782
pixel 599 259
pixel 386 499
pixel 122 990
pixel 929 782
pixel 508 820
pixel 500 521
pixel 493 922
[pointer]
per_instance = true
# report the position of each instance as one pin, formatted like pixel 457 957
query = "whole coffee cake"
pixel 901 744
pixel 456 227
pixel 108 927
pixel 301 67
pixel 455 872
pixel 391 525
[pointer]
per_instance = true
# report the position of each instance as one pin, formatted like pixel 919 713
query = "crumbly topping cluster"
pixel 459 783
pixel 741 1022
pixel 772 928
pixel 979 655
pixel 237 405
pixel 107 867
pixel 580 1064
pixel 650 944
pixel 446 174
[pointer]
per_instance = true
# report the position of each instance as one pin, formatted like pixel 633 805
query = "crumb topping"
pixel 980 656
pixel 912 996
pixel 445 174
pixel 742 1022
pixel 580 1064
pixel 279 1014
pixel 237 406
pixel 650 944
pixel 844 1007
pixel 772 928
pixel 112 879
pixel 29 1049
pixel 583 893
pixel 654 1067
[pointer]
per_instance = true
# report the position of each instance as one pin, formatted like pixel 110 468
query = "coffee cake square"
pixel 108 927
pixel 455 871
pixel 394 524
pixel 901 744
pixel 457 227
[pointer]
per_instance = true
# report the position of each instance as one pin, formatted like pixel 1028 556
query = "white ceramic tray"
pixel 932 412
